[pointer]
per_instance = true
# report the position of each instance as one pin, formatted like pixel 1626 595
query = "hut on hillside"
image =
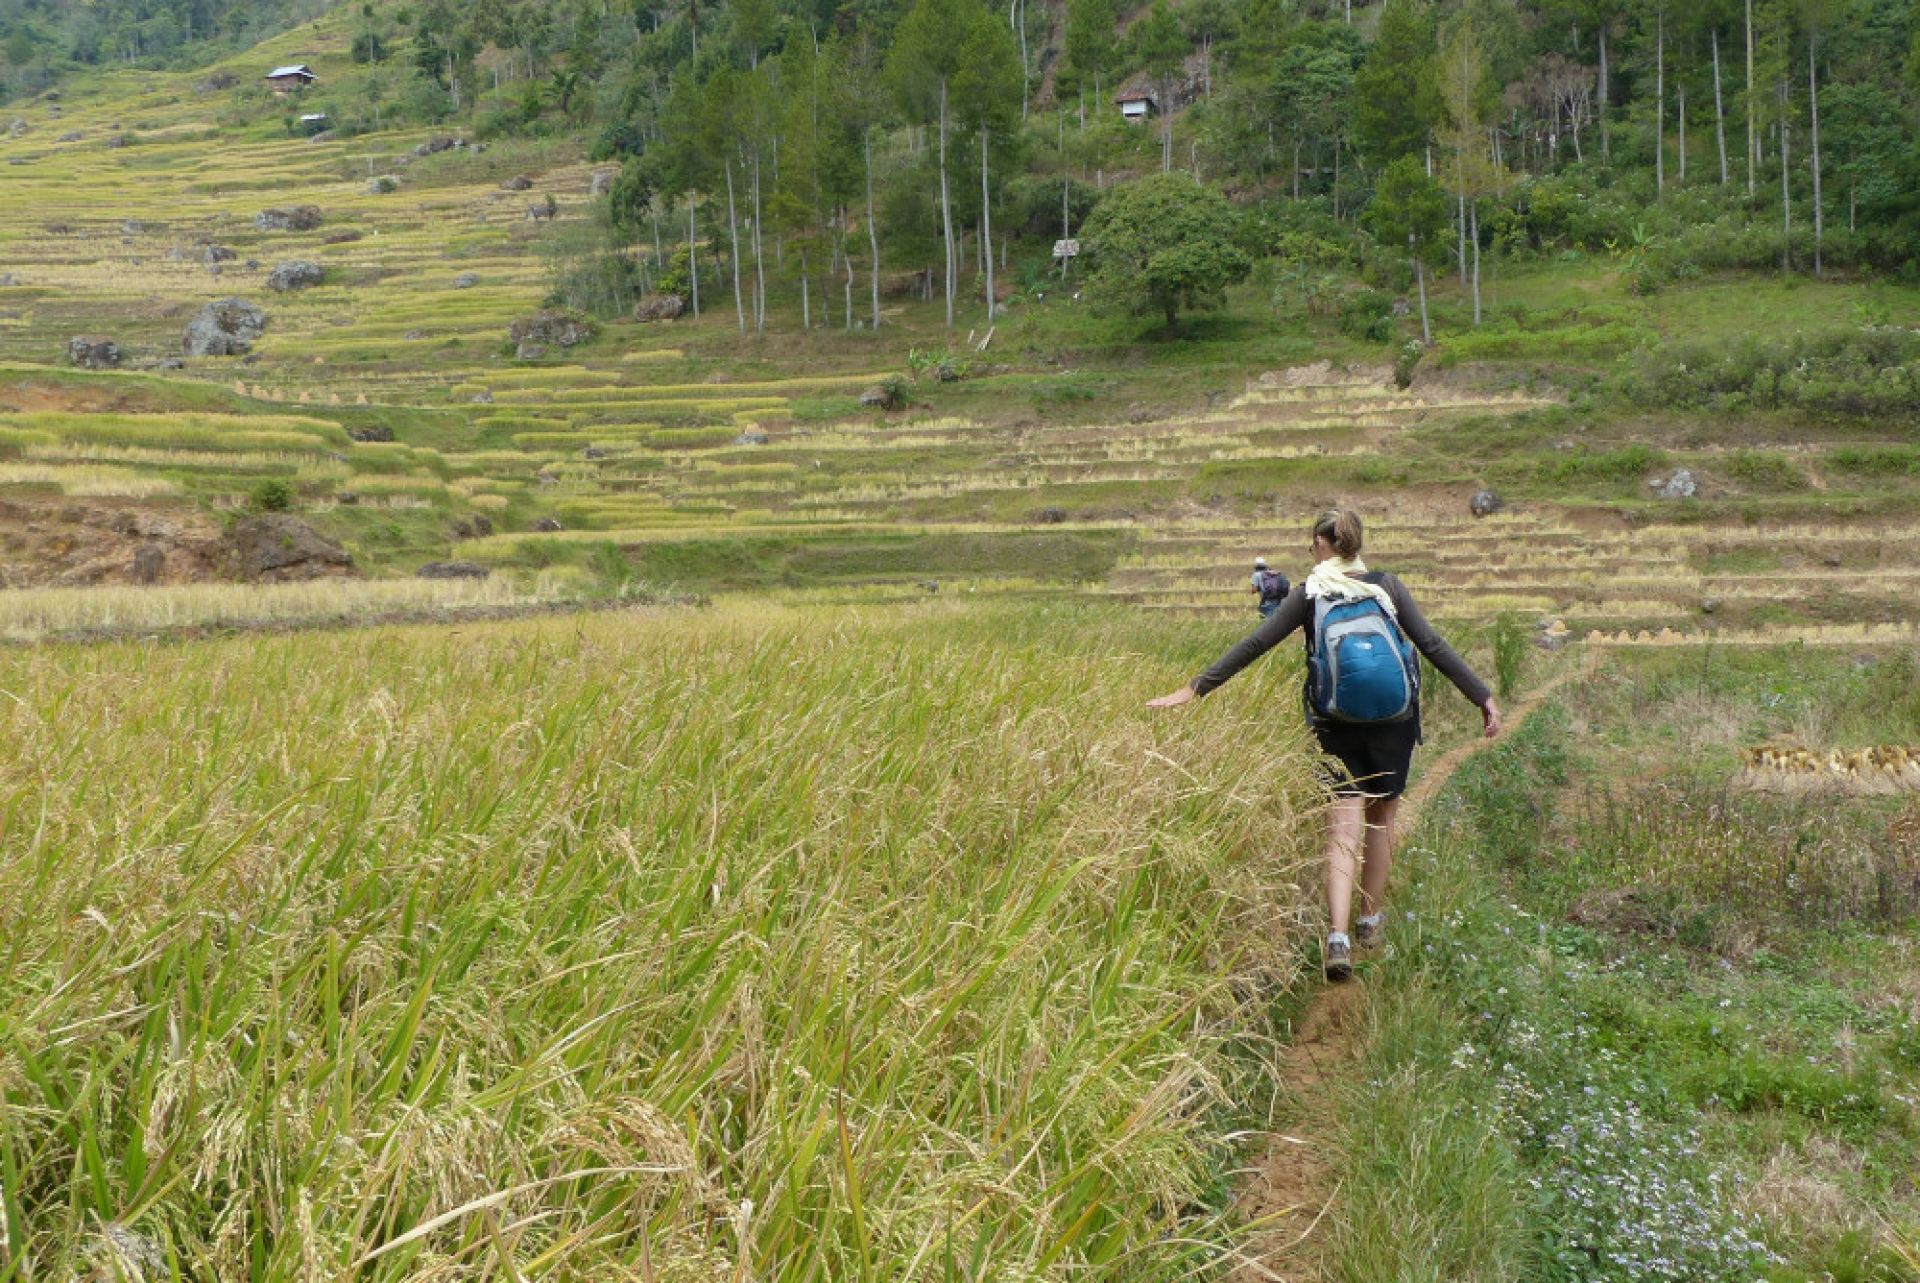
pixel 1136 105
pixel 286 80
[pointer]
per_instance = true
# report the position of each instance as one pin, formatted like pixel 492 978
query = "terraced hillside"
pixel 393 409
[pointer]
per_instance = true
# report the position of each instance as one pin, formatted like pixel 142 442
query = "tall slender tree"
pixel 1473 172
pixel 988 89
pixel 1162 49
pixel 926 56
pixel 1395 107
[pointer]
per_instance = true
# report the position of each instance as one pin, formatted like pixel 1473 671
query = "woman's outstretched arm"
pixel 1442 656
pixel 1292 614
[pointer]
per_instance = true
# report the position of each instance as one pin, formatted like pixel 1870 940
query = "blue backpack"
pixel 1360 666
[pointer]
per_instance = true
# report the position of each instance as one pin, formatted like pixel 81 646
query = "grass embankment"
pixel 1641 1023
pixel 759 944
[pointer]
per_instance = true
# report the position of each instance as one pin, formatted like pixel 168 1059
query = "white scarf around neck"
pixel 1339 577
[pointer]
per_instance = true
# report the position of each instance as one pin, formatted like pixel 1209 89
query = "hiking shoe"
pixel 1338 956
pixel 1370 933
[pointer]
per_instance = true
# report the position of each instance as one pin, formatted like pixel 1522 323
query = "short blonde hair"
pixel 1341 528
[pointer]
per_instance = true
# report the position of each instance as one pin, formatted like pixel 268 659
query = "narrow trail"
pixel 1293 1193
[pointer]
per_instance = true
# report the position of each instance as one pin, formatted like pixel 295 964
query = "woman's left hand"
pixel 1490 711
pixel 1182 696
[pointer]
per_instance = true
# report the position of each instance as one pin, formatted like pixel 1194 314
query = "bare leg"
pixel 1379 853
pixel 1344 830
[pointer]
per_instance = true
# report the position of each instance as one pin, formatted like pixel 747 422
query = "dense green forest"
pixel 798 140
pixel 41 38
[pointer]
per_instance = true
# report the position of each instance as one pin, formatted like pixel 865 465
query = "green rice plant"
pixel 430 487
pixel 628 948
pixel 579 438
pixel 1510 645
pixel 182 431
pixel 690 438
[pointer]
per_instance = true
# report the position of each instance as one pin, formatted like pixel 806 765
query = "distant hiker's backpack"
pixel 1273 585
pixel 1360 666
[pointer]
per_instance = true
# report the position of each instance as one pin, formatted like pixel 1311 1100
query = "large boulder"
pixel 436 144
pixel 149 564
pixel 556 328
pixel 91 353
pixel 518 183
pixel 275 548
pixel 466 280
pixel 370 432
pixel 601 182
pixel 225 327
pixel 1484 503
pixel 296 275
pixel 292 218
pixel 659 307
pixel 382 185
pixel 1680 485
pixel 212 255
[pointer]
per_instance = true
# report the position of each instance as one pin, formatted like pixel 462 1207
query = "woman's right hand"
pixel 1182 696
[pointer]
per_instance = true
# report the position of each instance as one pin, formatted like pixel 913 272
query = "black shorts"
pixel 1370 761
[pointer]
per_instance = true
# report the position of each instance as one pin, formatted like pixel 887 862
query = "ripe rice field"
pixel 756 943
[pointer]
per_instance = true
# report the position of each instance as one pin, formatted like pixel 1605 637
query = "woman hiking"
pixel 1363 702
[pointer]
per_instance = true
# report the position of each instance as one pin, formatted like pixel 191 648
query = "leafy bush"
pixel 272 495
pixel 1032 207
pixel 1367 314
pixel 1406 362
pixel 1763 471
pixel 896 391
pixel 1870 372
pixel 1616 467
pixel 1877 461
pixel 1302 231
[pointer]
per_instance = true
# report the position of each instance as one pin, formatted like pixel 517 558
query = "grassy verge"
pixel 1582 1070
pixel 759 944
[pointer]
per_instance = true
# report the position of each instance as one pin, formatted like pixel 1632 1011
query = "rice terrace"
pixel 580 583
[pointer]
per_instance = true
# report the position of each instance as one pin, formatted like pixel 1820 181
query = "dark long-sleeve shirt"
pixel 1297 612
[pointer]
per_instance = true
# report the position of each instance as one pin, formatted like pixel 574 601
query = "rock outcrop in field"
pixel 226 327
pixel 93 353
pixel 275 548
pixel 298 274
pixel 293 218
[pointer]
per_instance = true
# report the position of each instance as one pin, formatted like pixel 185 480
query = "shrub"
pixel 1617 467
pixel 1367 314
pixel 1509 653
pixel 896 391
pixel 272 495
pixel 1763 471
pixel 1862 371
pixel 1877 461
pixel 1406 362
